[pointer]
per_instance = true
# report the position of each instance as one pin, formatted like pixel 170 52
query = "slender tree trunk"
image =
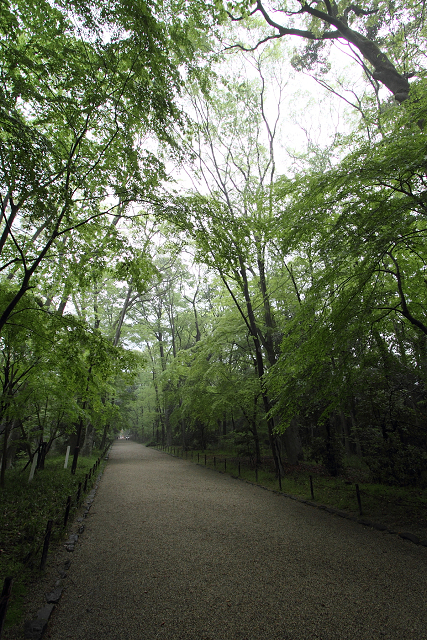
pixel 183 438
pixel 270 325
pixel 260 370
pixel 77 445
pixel 122 317
pixel 6 432
pixel 88 440
pixel 9 222
pixel 80 428
pixel 104 437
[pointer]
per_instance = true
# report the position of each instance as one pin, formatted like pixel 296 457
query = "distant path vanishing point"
pixel 175 551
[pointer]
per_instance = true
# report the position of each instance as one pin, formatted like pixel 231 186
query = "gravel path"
pixel 175 551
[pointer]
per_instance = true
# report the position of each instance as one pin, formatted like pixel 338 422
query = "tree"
pixel 355 348
pixel 233 226
pixel 52 377
pixel 163 322
pixel 216 383
pixel 83 88
pixel 366 27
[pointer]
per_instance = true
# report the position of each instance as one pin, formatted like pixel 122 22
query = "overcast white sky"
pixel 310 114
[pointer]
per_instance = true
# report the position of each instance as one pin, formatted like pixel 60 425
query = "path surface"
pixel 175 551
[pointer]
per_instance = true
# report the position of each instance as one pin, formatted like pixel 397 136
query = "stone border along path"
pixel 176 551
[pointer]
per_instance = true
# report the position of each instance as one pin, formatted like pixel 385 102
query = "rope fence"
pixel 305 486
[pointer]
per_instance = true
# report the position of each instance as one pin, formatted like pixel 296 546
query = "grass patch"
pixel 25 508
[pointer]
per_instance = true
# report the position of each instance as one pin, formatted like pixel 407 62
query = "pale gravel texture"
pixel 175 551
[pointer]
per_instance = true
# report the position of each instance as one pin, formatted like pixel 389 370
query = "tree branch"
pixel 405 311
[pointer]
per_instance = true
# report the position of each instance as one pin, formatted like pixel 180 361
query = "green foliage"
pixel 310 307
pixel 75 106
pixel 54 370
pixel 25 509
pixel 352 347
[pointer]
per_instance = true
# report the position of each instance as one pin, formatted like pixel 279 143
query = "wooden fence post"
pixel 46 544
pixel 359 502
pixel 67 510
pixel 4 599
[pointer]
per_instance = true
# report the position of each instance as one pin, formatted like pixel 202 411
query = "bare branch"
pixel 234 19
pixel 242 48
pixel 358 11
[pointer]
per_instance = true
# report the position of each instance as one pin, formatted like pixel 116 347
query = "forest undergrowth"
pixel 25 508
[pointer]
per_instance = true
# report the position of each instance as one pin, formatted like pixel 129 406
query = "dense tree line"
pixel 275 300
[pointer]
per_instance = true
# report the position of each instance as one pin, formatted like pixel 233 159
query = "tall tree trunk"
pixel 122 317
pixel 183 438
pixel 88 440
pixel 270 325
pixel 260 369
pixel 290 438
pixel 6 432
